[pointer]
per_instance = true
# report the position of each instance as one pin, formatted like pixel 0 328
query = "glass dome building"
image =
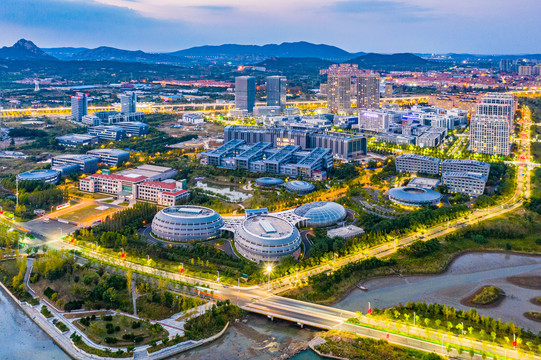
pixel 299 187
pixel 413 196
pixel 45 175
pixel 268 182
pixel 321 214
pixel 267 238
pixel 185 222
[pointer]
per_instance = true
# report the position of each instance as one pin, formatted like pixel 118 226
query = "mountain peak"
pixel 24 50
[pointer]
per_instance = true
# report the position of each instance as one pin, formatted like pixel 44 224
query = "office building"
pixel 245 93
pixel 128 103
pixel 499 104
pixel 44 175
pixel 110 157
pixel 276 91
pixel 464 182
pixel 167 193
pixel 414 163
pixel 91 120
pixel 114 117
pixel 111 132
pixel 133 128
pixel 342 145
pixel 470 166
pixel 376 120
pixel 85 163
pixel 262 157
pixel 75 140
pixel 433 137
pixel 368 92
pixel 339 93
pixel 149 172
pixel 79 106
pixel 490 134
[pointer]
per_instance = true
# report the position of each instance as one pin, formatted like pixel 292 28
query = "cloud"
pixel 383 7
pixel 213 7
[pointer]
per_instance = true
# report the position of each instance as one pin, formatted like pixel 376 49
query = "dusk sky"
pixel 475 26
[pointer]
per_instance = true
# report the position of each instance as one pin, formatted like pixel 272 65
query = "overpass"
pixel 161 108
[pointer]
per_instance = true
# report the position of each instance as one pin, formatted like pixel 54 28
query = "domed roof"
pixel 414 195
pixel 322 213
pixel 300 186
pixel 268 181
pixel 38 174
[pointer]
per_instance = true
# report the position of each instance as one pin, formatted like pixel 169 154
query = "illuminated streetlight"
pixel 269 270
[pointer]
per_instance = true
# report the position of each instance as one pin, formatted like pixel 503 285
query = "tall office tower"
pixel 276 91
pixel 128 103
pixel 490 134
pixel 536 70
pixel 79 106
pixel 245 93
pixel 506 65
pixel 339 92
pixel 368 92
pixel 498 104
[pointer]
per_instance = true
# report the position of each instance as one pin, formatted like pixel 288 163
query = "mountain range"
pixel 24 50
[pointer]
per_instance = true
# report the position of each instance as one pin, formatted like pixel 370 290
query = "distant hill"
pixel 402 61
pixel 24 50
pixel 254 53
pixel 105 53
pixel 300 65
pixel 64 53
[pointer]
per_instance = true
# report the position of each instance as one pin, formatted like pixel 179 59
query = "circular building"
pixel 268 182
pixel 266 238
pixel 412 196
pixel 185 222
pixel 299 187
pixel 321 214
pixel 45 175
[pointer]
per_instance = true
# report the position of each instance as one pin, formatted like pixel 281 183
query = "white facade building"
pixel 418 164
pixel 464 183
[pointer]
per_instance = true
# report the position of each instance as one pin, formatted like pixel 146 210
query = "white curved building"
pixel 186 222
pixel 267 238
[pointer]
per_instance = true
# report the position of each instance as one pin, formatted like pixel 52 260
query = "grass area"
pixel 86 213
pixel 159 305
pixel 447 319
pixel 45 312
pixel 121 331
pixel 351 346
pixel 487 295
pixel 517 231
pixel 98 352
pixel 12 276
pixel 125 203
pixel 61 326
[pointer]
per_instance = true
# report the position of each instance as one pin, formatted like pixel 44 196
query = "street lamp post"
pixel 269 269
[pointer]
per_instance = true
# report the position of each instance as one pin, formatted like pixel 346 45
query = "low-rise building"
pixel 112 132
pixel 110 157
pixel 85 163
pixel 75 140
pixel 192 118
pixel 167 193
pixel 464 183
pixel 134 128
pixel 345 232
pixel 461 165
pixel 91 120
pixel 418 164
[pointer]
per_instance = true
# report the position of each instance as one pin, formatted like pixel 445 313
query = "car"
pixel 46 220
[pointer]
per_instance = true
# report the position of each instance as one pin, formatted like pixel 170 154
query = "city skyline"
pixel 386 26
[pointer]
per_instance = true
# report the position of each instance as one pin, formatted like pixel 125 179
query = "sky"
pixel 387 26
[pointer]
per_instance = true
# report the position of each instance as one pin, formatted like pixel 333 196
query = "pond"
pixel 231 192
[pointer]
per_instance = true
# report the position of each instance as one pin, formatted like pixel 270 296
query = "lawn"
pixel 125 331
pixel 86 213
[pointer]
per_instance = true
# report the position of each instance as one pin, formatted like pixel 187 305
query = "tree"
pixel 472 353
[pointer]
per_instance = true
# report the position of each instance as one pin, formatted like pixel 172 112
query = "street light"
pixel 269 270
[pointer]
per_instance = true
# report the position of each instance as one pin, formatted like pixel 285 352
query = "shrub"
pixel 108 318
pixel 111 340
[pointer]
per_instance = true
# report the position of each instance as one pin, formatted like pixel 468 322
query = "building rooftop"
pixel 465 175
pixel 345 231
pixel 268 226
pixel 77 157
pixel 424 183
